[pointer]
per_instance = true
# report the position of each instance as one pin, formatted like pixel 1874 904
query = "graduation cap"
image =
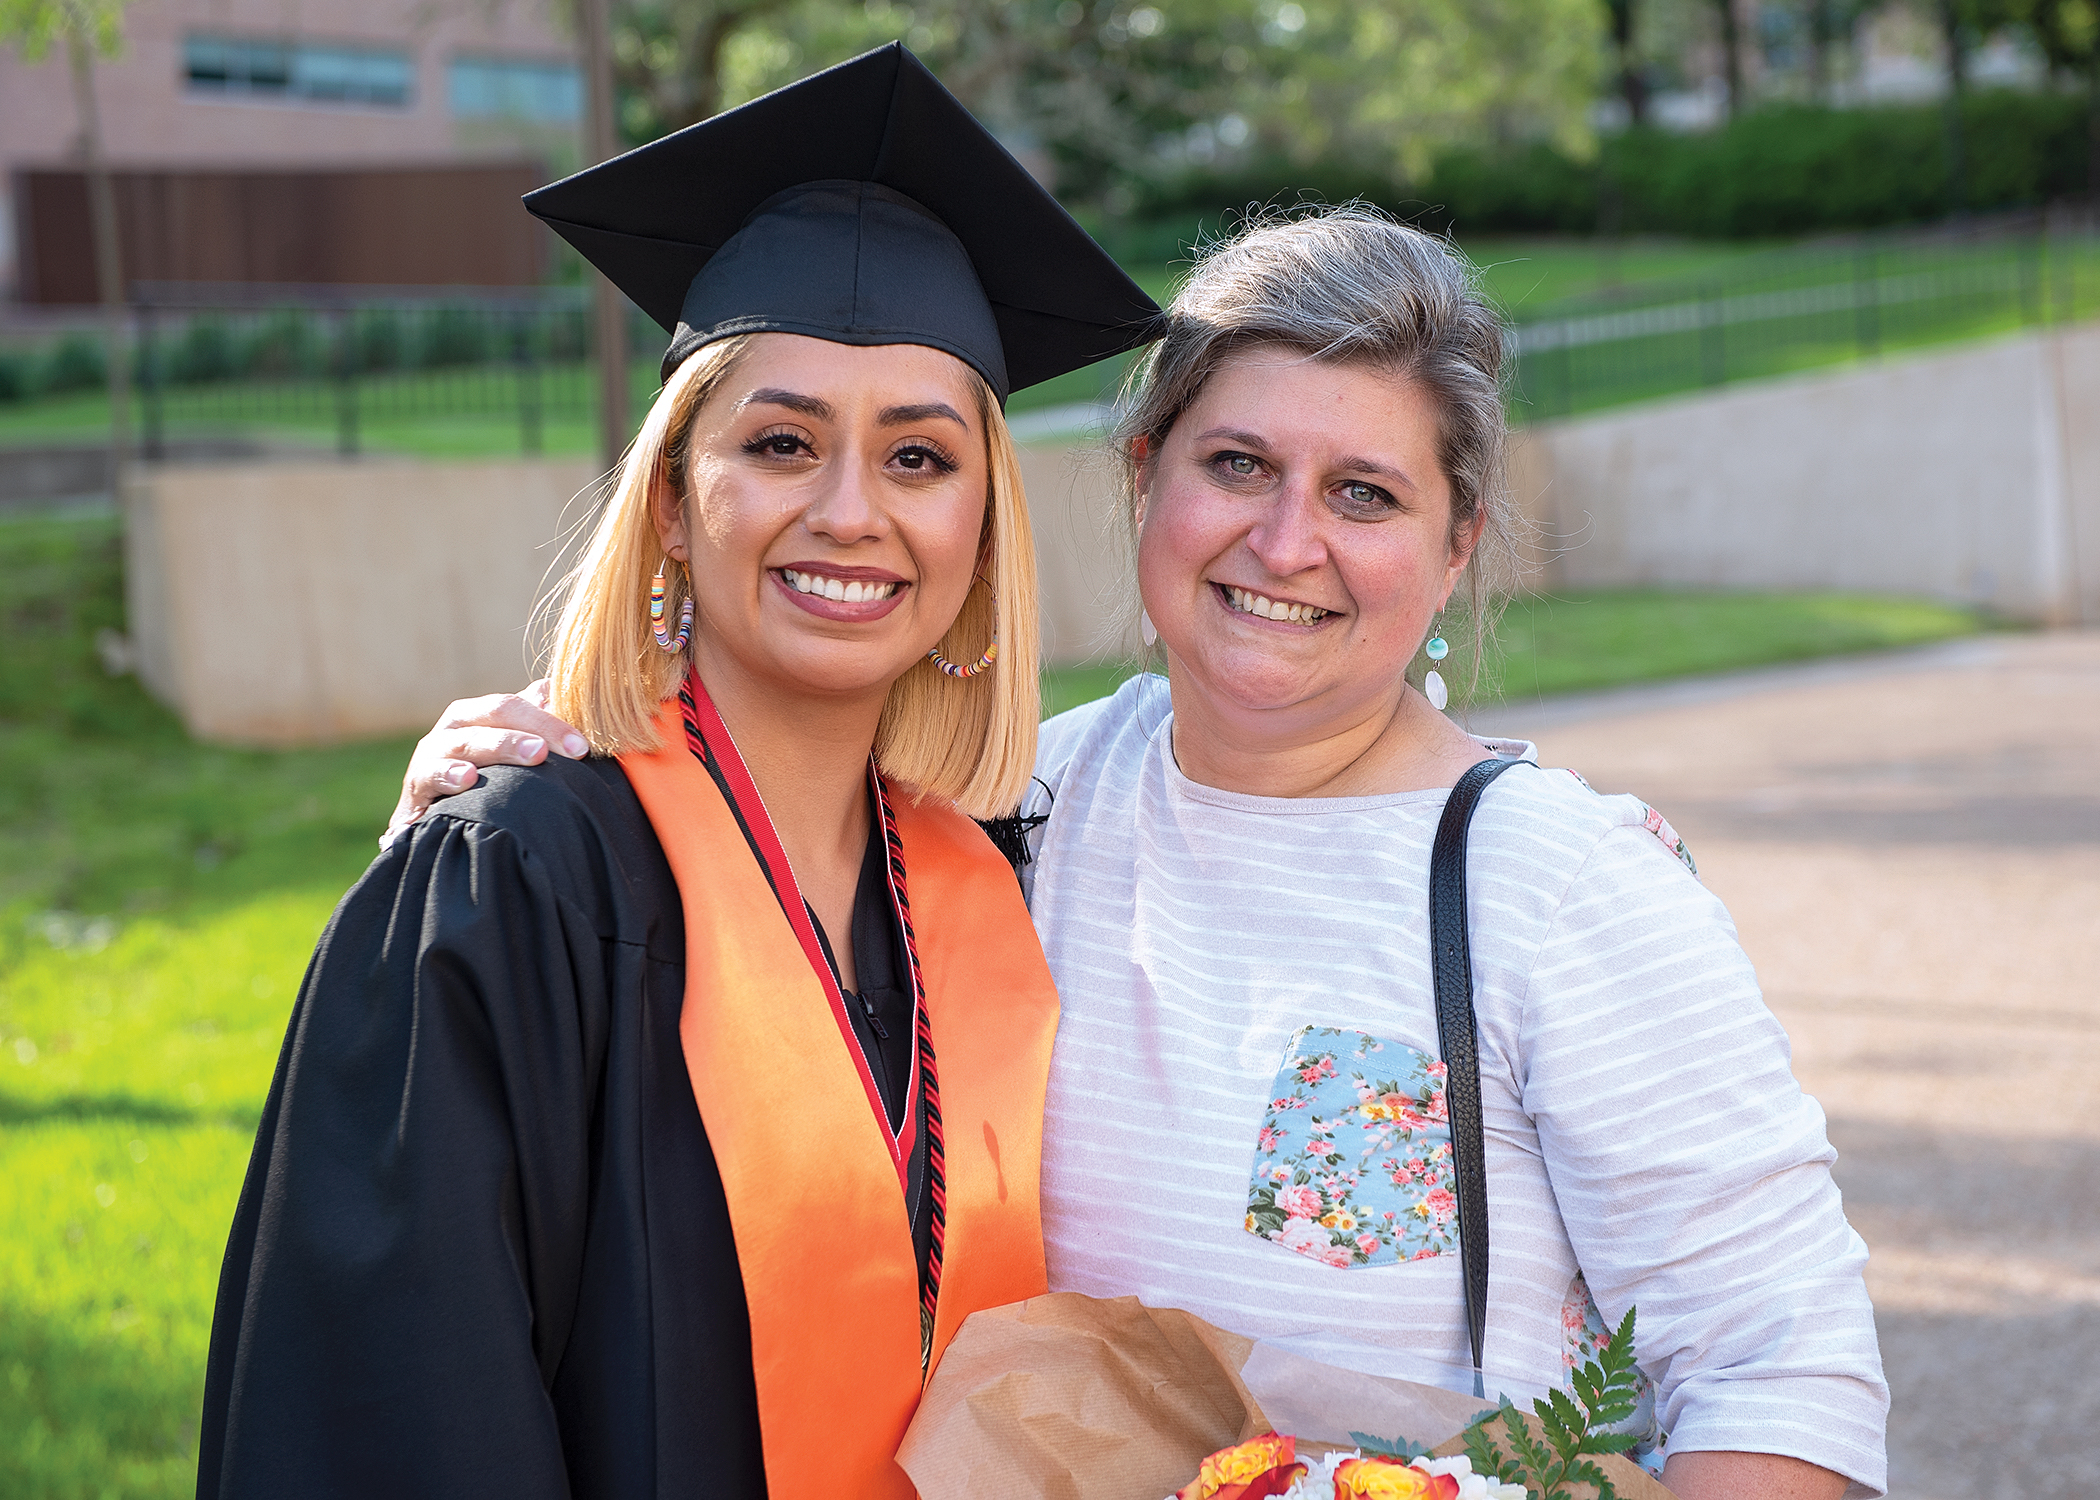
pixel 863 205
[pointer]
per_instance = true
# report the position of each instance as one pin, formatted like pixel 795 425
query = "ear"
pixel 1141 466
pixel 1464 541
pixel 667 513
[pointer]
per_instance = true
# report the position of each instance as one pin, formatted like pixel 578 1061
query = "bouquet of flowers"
pixel 1065 1397
pixel 1269 1466
pixel 1552 1456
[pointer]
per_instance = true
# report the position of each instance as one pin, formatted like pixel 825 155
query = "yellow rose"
pixel 1377 1477
pixel 1260 1466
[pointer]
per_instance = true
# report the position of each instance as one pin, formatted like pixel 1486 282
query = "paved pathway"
pixel 1911 849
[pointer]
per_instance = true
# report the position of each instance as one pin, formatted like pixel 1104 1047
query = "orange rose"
pixel 1266 1465
pixel 1377 1477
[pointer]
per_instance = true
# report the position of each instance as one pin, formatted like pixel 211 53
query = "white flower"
pixel 1471 1486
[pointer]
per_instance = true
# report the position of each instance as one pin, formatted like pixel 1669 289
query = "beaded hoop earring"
pixel 665 641
pixel 991 654
pixel 983 663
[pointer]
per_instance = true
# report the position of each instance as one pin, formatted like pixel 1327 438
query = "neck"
pixel 808 757
pixel 1388 742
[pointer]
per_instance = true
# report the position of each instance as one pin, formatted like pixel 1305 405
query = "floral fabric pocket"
pixel 1352 1166
pixel 1584 1333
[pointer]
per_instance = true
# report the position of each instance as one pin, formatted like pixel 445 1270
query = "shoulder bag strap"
pixel 1451 962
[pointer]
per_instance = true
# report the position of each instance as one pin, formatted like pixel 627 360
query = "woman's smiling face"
pixel 1296 536
pixel 837 509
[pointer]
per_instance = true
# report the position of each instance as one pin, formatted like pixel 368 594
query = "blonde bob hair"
pixel 968 741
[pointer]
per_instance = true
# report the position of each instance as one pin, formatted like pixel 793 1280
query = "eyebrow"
pixel 795 401
pixel 823 411
pixel 1352 464
pixel 903 416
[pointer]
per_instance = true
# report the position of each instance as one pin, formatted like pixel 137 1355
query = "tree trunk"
pixel 109 267
pixel 609 305
pixel 1633 85
pixel 1957 90
pixel 2092 133
pixel 1732 56
pixel 1819 40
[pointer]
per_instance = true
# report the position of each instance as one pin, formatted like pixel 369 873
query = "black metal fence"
pixel 347 359
pixel 1799 309
pixel 474 372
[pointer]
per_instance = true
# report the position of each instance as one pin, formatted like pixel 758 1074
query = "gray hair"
pixel 1349 285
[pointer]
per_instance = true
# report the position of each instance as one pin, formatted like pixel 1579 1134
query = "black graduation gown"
pixel 483 1247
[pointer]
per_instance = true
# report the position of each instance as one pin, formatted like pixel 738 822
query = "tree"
pixel 1732 54
pixel 1633 81
pixel 1125 95
pixel 89 28
pixel 2068 32
pixel 1829 22
pixel 667 59
pixel 1962 24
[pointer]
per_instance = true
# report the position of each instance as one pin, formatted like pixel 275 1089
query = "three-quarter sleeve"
pixel 1692 1172
pixel 401 1272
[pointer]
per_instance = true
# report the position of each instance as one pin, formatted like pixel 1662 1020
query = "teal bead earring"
pixel 1433 687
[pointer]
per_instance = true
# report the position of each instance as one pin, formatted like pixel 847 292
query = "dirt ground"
pixel 1911 849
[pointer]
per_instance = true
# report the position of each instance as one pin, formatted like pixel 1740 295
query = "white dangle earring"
pixel 1146 631
pixel 1436 649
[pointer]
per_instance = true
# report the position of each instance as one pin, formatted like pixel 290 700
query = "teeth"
pixel 837 588
pixel 1248 602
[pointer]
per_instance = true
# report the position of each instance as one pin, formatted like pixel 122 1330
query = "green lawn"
pixel 158 901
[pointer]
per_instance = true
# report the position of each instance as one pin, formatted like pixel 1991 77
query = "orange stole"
pixel 822 1234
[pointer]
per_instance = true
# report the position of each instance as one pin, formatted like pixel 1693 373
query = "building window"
pixel 485 88
pixel 298 70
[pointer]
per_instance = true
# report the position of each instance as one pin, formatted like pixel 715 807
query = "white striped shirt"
pixel 1643 1125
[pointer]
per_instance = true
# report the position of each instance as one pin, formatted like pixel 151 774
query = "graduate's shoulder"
pixel 578 822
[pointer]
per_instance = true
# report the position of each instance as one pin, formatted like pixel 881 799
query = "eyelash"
pixel 1379 498
pixel 762 446
pixel 941 460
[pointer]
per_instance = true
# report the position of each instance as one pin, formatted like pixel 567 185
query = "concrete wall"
pixel 304 602
pixel 1972 475
pixel 1082 549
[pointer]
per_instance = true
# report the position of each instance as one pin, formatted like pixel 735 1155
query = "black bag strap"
pixel 1451 962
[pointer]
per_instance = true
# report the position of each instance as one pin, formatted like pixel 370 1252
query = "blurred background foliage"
pixel 1716 118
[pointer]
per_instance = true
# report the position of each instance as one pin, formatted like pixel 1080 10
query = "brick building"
pixel 283 110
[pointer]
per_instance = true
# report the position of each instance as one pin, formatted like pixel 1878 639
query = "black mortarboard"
pixel 863 205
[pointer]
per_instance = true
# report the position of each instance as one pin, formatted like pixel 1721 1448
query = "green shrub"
pixel 284 343
pixel 206 351
pixel 567 333
pixel 1783 169
pixel 454 336
pixel 379 339
pixel 75 363
pixel 17 375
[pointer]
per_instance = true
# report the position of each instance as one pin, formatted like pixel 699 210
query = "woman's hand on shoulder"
pixel 503 729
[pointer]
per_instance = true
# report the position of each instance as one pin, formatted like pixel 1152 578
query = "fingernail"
pixel 453 775
pixel 574 746
pixel 531 746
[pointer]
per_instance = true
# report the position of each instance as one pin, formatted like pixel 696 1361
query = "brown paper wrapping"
pixel 1065 1397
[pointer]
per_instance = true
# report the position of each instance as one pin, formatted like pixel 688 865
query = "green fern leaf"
pixel 1395 1447
pixel 1486 1457
pixel 1564 1422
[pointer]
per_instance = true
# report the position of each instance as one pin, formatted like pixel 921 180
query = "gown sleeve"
pixel 401 1275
